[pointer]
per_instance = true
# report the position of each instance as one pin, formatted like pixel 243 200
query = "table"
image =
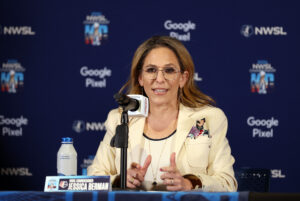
pixel 122 196
pixel 145 196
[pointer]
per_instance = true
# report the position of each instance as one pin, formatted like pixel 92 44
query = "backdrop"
pixel 62 61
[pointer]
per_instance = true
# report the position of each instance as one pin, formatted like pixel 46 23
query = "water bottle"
pixel 66 158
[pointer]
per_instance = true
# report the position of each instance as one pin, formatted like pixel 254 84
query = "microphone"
pixel 126 102
pixel 135 104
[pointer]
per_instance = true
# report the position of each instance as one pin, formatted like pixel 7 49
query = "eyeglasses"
pixel 169 73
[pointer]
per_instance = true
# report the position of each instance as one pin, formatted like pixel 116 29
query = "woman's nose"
pixel 160 76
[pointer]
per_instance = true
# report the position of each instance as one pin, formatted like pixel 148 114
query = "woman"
pixel 182 143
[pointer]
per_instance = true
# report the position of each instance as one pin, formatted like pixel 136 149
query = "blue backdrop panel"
pixel 61 63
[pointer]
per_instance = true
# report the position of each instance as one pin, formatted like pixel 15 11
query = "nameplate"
pixel 77 183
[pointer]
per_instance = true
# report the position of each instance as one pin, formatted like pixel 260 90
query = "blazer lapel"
pixel 184 125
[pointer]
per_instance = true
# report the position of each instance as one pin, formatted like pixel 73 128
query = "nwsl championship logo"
pixel 95 29
pixel 12 76
pixel 262 77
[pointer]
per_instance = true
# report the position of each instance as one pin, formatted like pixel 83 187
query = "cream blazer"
pixel 207 157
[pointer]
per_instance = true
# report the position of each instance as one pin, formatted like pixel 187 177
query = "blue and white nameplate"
pixel 77 183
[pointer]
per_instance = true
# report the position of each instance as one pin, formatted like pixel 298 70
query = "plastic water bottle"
pixel 66 158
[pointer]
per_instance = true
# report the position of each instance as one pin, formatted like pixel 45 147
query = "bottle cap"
pixel 66 140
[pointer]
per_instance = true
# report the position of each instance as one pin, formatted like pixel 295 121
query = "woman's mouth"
pixel 160 91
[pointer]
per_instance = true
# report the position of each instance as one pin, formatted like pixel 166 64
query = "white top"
pixel 160 151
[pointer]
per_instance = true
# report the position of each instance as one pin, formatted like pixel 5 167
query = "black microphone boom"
pixel 126 102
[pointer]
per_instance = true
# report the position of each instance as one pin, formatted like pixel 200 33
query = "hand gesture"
pixel 173 179
pixel 136 173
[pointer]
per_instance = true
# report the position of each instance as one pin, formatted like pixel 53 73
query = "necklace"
pixel 154 183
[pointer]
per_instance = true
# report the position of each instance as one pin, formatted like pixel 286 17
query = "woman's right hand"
pixel 136 173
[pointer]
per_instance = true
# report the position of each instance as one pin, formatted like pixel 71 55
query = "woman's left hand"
pixel 173 179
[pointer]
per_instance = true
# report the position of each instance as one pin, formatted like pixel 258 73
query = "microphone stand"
pixel 120 140
pixel 124 132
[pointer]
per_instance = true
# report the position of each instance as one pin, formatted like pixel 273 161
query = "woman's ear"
pixel 183 79
pixel 141 81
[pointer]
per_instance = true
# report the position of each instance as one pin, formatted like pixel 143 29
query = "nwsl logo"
pixel 12 76
pixel 80 126
pixel 249 30
pixel 262 77
pixel 16 30
pixel 95 29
